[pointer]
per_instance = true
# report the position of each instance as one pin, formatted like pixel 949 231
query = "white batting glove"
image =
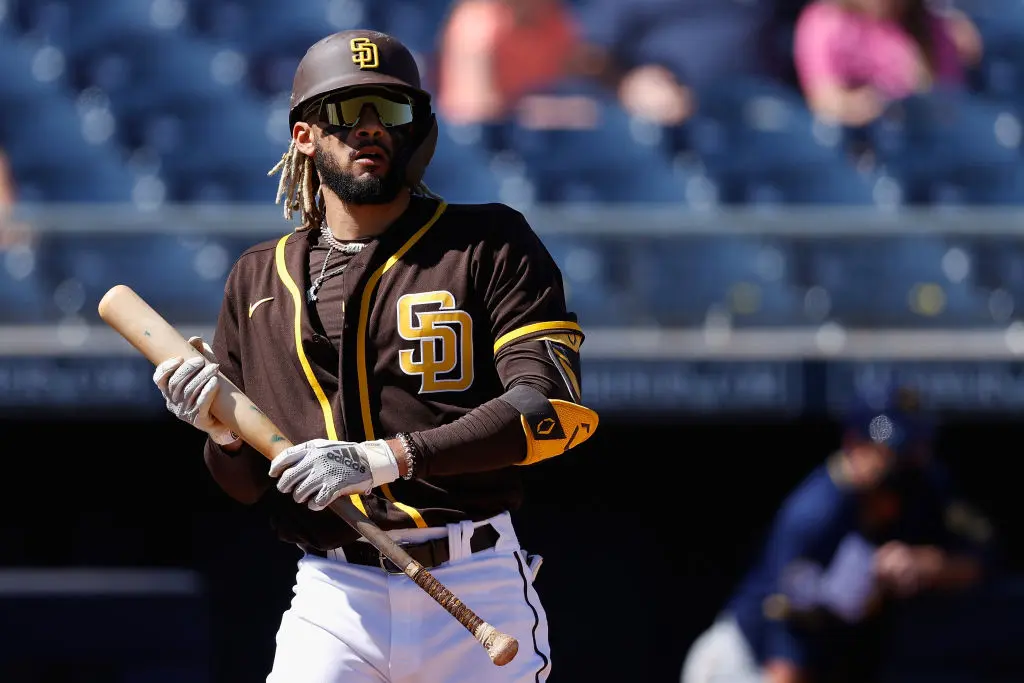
pixel 189 387
pixel 320 471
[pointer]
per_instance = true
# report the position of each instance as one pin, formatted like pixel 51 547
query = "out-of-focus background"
pixel 761 210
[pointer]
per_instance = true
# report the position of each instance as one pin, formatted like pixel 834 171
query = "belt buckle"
pixel 387 565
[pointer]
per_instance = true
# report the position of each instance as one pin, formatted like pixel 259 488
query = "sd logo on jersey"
pixel 443 357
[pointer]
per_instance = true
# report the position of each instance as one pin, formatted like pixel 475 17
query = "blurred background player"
pixel 877 521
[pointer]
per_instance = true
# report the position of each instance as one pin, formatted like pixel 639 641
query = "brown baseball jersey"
pixel 438 315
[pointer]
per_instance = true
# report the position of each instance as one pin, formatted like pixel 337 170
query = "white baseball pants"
pixel 356 624
pixel 721 655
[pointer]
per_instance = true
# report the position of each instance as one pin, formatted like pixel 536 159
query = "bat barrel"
pixel 141 326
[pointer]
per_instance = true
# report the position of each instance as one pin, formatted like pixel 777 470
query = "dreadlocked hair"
pixel 299 188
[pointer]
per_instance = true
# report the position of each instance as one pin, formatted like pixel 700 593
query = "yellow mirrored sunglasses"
pixel 393 109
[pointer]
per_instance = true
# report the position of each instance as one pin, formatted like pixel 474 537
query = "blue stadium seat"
pixel 835 183
pixel 606 163
pixel 182 277
pixel 156 121
pixel 225 151
pixel 418 23
pixel 995 185
pixel 138 74
pixel 754 125
pixel 17 82
pixel 901 281
pixel 1001 267
pixel 25 297
pixel 959 140
pixel 100 180
pixel 461 173
pixel 54 140
pixel 273 59
pixel 750 280
pixel 1001 25
pixel 225 22
pixel 598 284
pixel 47 20
pixel 94 24
pixel 221 186
pixel 266 20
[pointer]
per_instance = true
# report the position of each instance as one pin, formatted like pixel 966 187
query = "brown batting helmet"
pixel 360 58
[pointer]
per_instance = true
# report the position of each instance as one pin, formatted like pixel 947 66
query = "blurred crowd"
pixel 848 57
pixel 539 64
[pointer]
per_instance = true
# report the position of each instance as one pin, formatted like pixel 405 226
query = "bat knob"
pixel 503 648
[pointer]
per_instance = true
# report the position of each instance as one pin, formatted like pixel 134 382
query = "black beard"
pixel 366 189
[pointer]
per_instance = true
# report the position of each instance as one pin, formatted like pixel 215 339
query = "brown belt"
pixel 430 554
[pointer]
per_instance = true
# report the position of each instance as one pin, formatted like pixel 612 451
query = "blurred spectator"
pixel 657 54
pixel 6 185
pixel 852 57
pixel 494 52
pixel 876 522
pixel 11 232
pixel 964 33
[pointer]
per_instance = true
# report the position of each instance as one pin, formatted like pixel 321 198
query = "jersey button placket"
pixel 342 385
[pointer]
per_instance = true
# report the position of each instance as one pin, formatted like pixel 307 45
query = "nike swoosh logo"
pixel 255 304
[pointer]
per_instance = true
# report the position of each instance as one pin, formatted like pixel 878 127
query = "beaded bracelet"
pixel 410 451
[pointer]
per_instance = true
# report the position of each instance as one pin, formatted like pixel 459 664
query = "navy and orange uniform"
pixel 784 618
pixel 450 311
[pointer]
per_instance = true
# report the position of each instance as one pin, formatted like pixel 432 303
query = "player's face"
pixel 356 154
pixel 871 462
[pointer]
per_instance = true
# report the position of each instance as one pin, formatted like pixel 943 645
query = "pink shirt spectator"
pixel 836 46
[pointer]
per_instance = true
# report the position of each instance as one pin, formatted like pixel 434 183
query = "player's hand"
pixel 319 471
pixel 189 387
pixel 904 570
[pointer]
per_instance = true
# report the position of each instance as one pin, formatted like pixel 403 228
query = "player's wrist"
pixel 382 461
pixel 409 457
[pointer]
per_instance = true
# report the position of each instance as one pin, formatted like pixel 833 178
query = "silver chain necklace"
pixel 335 243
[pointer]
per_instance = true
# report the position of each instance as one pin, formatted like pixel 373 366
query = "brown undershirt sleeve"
pixel 491 436
pixel 488 437
pixel 242 474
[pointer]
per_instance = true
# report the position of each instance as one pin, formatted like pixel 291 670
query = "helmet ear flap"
pixel 422 155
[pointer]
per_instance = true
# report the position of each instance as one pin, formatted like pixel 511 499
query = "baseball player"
pixel 876 521
pixel 418 354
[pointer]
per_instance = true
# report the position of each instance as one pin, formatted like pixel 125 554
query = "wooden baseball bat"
pixel 157 340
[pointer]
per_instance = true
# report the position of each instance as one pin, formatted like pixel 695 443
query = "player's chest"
pixel 426 330
pixel 425 326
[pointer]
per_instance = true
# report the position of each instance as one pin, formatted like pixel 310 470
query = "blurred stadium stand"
pixel 147 91
pixel 148 105
pixel 171 100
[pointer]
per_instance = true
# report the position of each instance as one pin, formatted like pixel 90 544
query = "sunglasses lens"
pixel 347 112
